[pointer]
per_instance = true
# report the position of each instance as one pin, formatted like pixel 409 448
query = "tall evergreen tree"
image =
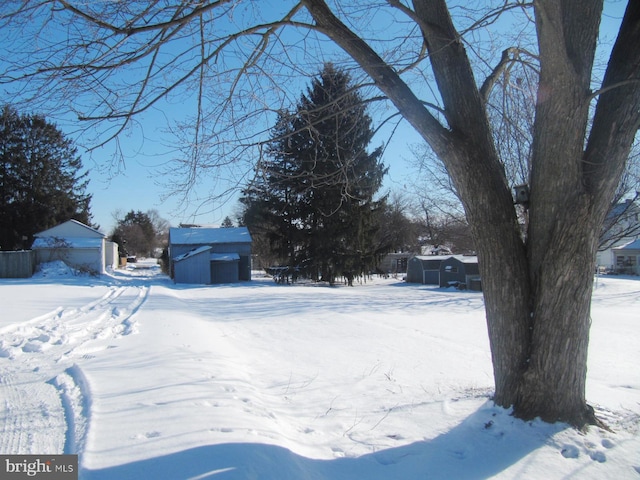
pixel 271 201
pixel 315 192
pixel 41 179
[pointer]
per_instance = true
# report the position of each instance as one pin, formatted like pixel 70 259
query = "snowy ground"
pixel 149 380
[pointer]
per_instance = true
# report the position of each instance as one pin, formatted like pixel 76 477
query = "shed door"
pixel 245 268
pixel 431 277
pixel 224 272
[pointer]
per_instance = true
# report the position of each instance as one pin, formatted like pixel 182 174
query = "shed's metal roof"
pixel 432 257
pixel 467 258
pixel 441 258
pixel 208 236
pixel 632 245
pixel 191 253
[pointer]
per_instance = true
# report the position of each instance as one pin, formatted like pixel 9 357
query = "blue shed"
pixel 460 271
pixel 193 266
pixel 210 255
pixel 425 269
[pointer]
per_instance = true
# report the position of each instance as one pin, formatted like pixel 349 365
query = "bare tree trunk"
pixel 537 290
pixel 553 385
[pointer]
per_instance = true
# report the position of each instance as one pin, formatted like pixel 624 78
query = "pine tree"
pixel 227 222
pixel 315 192
pixel 41 179
pixel 272 201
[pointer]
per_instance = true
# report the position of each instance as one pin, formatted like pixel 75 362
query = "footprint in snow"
pixel 43 337
pixel 31 347
pixel 570 451
pixel 606 443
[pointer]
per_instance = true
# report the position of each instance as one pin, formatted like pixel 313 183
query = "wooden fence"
pixel 20 264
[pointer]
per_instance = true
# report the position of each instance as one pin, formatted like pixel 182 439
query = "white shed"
pixel 76 244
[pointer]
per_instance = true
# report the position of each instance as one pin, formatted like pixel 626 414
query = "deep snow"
pixel 386 380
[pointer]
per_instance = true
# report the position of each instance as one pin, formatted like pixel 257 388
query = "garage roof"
pixel 209 236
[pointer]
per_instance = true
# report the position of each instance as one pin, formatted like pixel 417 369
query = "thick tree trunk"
pixel 563 225
pixel 537 289
pixel 553 384
pixel 507 297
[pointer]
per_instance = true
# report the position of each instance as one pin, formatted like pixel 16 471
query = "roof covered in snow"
pixel 467 258
pixel 208 236
pixel 71 229
pixel 191 253
pixel 632 245
pixel 441 258
pixel 626 208
pixel 432 257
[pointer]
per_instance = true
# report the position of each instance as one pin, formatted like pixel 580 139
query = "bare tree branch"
pixel 510 56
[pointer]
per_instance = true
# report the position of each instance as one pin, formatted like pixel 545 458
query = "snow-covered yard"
pixel 145 379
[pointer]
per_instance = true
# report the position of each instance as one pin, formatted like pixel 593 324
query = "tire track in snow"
pixel 31 415
pixel 75 395
pixel 51 328
pixel 44 396
pixel 116 320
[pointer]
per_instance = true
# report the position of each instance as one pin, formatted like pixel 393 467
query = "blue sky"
pixel 141 182
pixel 138 184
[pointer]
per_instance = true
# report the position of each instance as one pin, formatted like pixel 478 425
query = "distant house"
pixel 394 263
pixel 444 270
pixel 76 244
pixel 627 258
pixel 210 255
pixel 621 227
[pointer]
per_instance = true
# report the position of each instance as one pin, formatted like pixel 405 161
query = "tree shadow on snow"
pixel 486 443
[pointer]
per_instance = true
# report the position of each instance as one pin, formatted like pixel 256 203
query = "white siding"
pixel 78 245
